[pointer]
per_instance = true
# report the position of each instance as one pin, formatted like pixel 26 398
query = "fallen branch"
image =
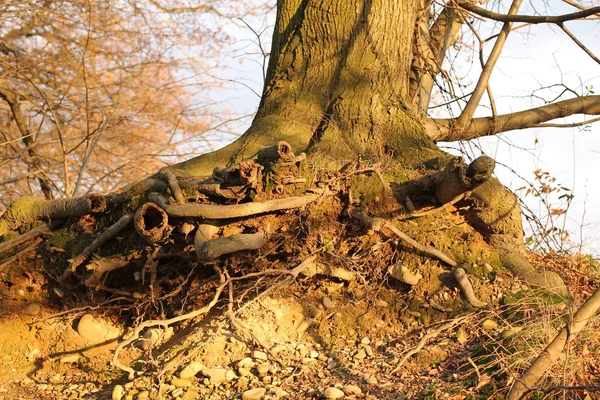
pixel 108 234
pixel 467 289
pixel 210 211
pixel 553 351
pixel 377 224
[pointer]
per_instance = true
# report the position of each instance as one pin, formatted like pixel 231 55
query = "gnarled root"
pixel 467 289
pixel 495 212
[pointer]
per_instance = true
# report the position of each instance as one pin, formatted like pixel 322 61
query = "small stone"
pixel 230 375
pixel 314 354
pixel 277 349
pixel 279 392
pixel 403 274
pixel 72 358
pixel 433 371
pixel 489 325
pixel 190 395
pixel 177 392
pixel 143 395
pixel 263 368
pixel 190 370
pixel 32 309
pixel 118 392
pixel 352 390
pixel 328 303
pixel 216 375
pixel 303 327
pixel 365 341
pixel 96 331
pixel 243 371
pixel 361 355
pixel 369 351
pixel 181 383
pixel 151 338
pixel 308 360
pixel 333 393
pixel 381 304
pixel 254 394
pixel 244 361
pixel 488 267
pixel 359 293
pixel 371 380
pixel 259 355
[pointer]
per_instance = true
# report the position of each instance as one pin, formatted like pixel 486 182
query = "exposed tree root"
pixel 210 211
pixel 377 224
pixel 467 289
pixel 26 210
pixel 551 353
pixel 215 248
pixel 171 179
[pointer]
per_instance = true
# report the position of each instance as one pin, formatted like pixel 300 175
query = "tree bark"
pixel 337 82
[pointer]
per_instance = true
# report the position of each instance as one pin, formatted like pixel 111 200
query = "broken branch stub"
pixel 271 154
pixel 152 223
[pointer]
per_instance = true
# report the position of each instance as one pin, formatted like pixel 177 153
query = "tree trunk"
pixel 337 82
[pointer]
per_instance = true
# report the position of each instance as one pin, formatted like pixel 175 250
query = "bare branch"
pixel 578 42
pixel 448 130
pixel 531 19
pixel 484 78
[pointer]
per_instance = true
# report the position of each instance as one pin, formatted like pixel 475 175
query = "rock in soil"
pixel 96 331
pixel 254 394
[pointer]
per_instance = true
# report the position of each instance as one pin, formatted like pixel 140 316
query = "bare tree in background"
pixel 96 94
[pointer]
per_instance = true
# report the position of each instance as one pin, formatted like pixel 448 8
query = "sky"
pixel 535 56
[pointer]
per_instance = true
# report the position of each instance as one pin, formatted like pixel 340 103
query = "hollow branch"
pixel 552 352
pixel 210 211
pixel 271 154
pixel 467 289
pixel 152 223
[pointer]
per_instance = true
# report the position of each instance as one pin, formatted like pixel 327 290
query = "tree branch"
pixel 484 78
pixel 530 19
pixel 448 130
